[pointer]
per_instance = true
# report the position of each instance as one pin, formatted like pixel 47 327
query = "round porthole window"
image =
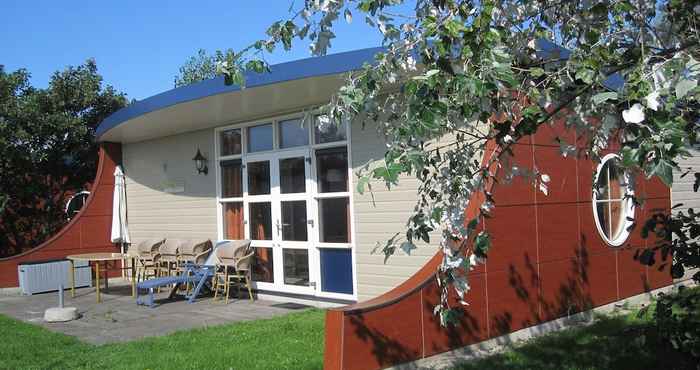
pixel 613 206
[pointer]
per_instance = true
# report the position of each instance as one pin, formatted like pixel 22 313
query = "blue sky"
pixel 140 45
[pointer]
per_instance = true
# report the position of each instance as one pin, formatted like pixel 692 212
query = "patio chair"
pixel 166 258
pixel 193 251
pixel 144 252
pixel 233 266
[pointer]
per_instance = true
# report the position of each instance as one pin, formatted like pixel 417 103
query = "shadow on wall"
pixel 165 166
pixel 393 346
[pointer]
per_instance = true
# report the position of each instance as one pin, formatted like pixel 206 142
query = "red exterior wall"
pixel 547 260
pixel 89 231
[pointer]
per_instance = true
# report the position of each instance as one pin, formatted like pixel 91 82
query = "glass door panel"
pixel 260 215
pixel 234 229
pixel 258 178
pixel 334 220
pixel 263 265
pixel 231 179
pixel 296 267
pixel 294 223
pixel 292 175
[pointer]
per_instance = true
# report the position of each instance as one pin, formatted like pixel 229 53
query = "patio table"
pixel 98 258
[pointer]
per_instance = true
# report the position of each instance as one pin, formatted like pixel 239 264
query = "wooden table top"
pixel 97 256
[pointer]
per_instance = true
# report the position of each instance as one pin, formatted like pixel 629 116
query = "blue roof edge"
pixel 288 71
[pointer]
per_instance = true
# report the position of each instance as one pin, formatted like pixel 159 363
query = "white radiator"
pixel 45 276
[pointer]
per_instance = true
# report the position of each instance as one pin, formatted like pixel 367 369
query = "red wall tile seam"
pixel 537 239
pixel 422 324
pixel 486 291
pixel 617 272
pixel 342 342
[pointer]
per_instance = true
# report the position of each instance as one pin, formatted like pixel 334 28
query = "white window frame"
pixel 626 202
pixel 315 244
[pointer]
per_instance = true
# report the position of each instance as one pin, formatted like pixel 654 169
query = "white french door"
pixel 278 208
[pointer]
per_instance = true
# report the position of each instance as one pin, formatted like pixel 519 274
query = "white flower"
pixel 634 115
pixel 696 9
pixel 652 101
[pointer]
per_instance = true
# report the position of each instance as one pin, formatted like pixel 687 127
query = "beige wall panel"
pixel 378 219
pixel 166 196
pixel 682 191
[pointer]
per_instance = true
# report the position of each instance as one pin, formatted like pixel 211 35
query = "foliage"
pixel 47 149
pixel 613 341
pixel 676 235
pixel 293 341
pixel 477 73
pixel 197 68
pixel 677 319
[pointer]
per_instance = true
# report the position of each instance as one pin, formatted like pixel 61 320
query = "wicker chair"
pixel 193 251
pixel 144 252
pixel 233 266
pixel 166 258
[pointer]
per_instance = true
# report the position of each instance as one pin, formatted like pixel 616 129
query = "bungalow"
pixel 263 172
pixel 269 176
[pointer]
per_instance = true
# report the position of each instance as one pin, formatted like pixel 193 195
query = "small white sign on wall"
pixel 173 187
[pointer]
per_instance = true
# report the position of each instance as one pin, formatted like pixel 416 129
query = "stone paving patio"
pixel 118 318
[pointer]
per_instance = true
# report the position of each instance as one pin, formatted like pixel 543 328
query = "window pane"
pixel 334 220
pixel 294 220
pixel 602 209
pixel 617 186
pixel 231 179
pixel 296 266
pixel 292 175
pixel 617 221
pixel 263 266
pixel 332 169
pixel 336 270
pixel 326 131
pixel 293 133
pixel 260 138
pixel 233 221
pixel 260 221
pixel 258 178
pixel 231 142
pixel 602 188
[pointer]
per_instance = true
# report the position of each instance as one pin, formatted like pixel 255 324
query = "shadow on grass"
pixel 619 342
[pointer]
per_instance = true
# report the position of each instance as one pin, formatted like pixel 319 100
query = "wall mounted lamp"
pixel 201 162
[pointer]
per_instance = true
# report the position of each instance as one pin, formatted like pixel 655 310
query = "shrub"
pixel 678 320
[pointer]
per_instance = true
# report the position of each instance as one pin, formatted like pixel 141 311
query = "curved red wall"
pixel 88 231
pixel 547 261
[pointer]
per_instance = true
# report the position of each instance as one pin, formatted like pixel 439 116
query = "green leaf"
pixel 432 73
pixel 603 97
pixel 482 243
pixel 664 170
pixel 361 183
pixel 684 87
pixel 629 156
pixel 536 72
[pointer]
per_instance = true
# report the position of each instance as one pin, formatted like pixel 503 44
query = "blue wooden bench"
pixel 198 275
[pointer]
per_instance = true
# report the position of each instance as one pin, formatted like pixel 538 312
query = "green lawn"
pixel 612 342
pixel 294 341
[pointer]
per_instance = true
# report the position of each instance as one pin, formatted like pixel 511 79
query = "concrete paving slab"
pixel 118 318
